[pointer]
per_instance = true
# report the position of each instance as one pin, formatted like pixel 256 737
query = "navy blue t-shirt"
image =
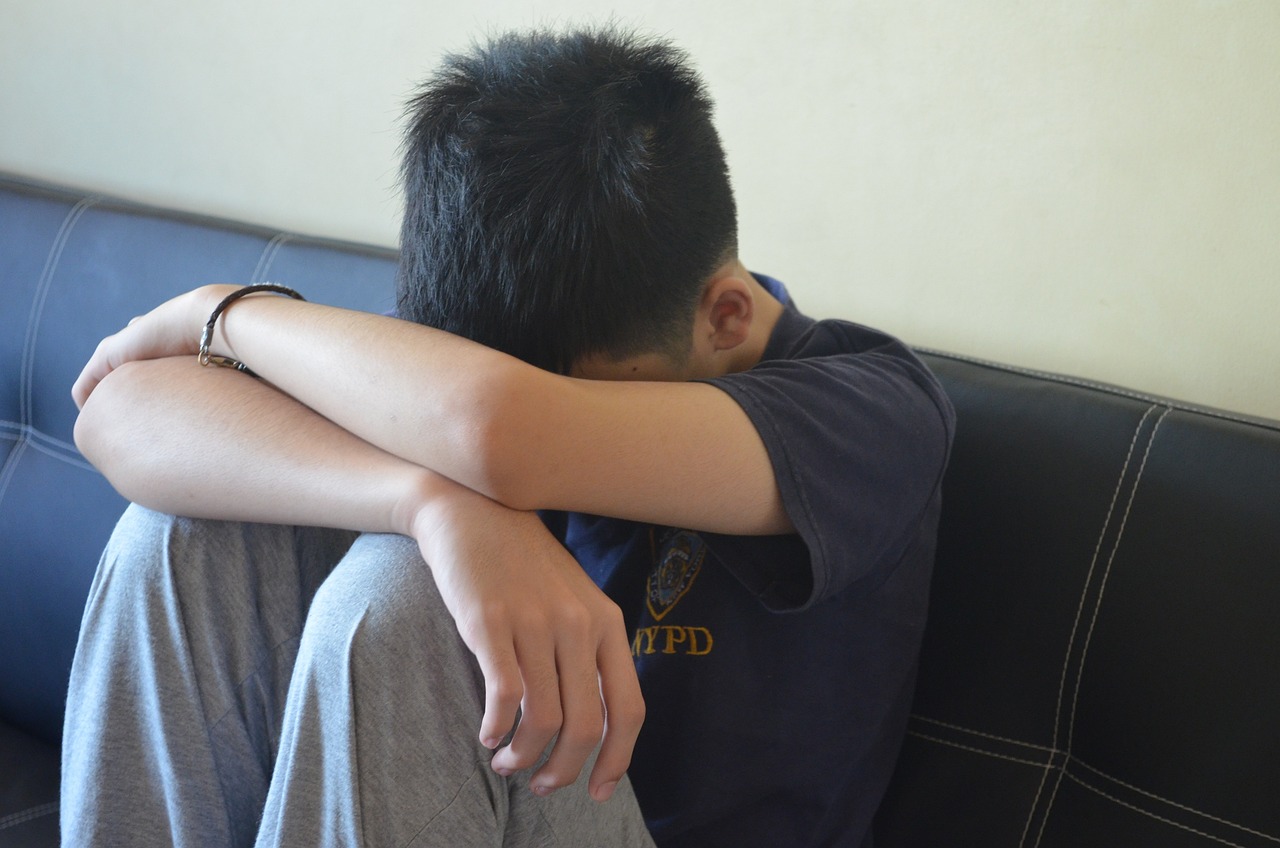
pixel 778 670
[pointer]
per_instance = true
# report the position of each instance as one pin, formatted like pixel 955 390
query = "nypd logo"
pixel 679 556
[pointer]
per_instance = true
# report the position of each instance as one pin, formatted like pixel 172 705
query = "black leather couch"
pixel 1102 664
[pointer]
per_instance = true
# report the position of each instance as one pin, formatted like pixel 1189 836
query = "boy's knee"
pixel 379 584
pixel 146 543
pixel 381 600
pixel 145 536
pixel 140 527
pixel 378 634
pixel 155 554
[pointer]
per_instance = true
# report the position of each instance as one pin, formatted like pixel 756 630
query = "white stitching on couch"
pixel 1097 606
pixel 15 819
pixel 1155 816
pixel 11 463
pixel 26 379
pixel 1045 765
pixel 60 240
pixel 34 442
pixel 268 257
pixel 972 732
pixel 1070 760
pixel 1124 520
pixel 1066 661
pixel 1183 807
pixel 1093 563
pixel 24 436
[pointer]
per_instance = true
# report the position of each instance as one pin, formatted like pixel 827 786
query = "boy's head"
pixel 566 196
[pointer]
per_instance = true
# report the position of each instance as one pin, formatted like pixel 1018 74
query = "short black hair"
pixel 565 195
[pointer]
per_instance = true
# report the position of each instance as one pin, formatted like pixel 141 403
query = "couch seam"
pixel 1071 639
pixel 75 460
pixel 1150 814
pixel 1072 760
pixel 27 366
pixel 1045 765
pixel 1097 607
pixel 268 257
pixel 11 463
pixel 43 442
pixel 1170 802
pixel 1093 564
pixel 973 732
pixel 24 816
pixel 1106 574
pixel 25 410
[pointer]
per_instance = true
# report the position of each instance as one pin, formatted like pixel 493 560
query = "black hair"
pixel 565 195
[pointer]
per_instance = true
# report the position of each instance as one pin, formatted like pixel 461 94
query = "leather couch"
pixel 1102 663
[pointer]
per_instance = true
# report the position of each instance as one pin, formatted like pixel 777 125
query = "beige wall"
pixel 1089 186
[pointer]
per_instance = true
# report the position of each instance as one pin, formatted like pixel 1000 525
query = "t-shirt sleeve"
pixel 858 443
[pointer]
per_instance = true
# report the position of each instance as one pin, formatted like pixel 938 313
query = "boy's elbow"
pixel 501 464
pixel 504 453
pixel 102 431
pixel 92 425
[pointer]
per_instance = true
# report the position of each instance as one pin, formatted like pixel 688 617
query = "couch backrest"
pixel 74 268
pixel 1102 660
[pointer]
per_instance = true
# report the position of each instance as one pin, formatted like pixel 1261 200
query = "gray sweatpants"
pixel 241 684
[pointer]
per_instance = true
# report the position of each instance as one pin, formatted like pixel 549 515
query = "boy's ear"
pixel 728 308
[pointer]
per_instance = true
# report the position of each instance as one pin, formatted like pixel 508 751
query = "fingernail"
pixel 605 791
pixel 505 772
pixel 543 791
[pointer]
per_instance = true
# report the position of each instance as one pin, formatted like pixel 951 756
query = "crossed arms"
pixel 382 425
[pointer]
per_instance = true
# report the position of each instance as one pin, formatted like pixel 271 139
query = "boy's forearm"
pixel 211 443
pixel 431 398
pixel 672 453
pixel 664 453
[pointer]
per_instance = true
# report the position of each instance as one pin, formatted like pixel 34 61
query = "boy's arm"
pixel 668 453
pixel 208 442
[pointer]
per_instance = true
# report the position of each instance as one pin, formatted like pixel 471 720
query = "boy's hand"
pixel 548 641
pixel 171 329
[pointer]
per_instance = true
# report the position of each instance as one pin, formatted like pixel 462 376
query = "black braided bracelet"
pixel 206 336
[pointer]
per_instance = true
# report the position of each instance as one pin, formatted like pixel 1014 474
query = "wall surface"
pixel 1089 186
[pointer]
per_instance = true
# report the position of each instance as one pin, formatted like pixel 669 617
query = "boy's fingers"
pixel 540 715
pixel 503 692
pixel 583 722
pixel 624 715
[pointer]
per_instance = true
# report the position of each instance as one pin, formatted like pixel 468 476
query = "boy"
pixel 721 594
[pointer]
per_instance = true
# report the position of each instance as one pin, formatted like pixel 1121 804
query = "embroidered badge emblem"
pixel 678 558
